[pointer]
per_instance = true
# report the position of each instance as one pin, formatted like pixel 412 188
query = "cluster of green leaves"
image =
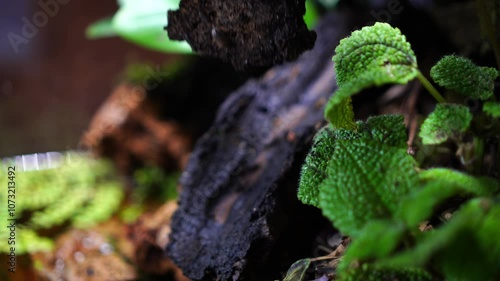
pixel 80 192
pixel 365 182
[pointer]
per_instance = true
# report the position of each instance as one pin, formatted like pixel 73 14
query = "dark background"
pixel 51 88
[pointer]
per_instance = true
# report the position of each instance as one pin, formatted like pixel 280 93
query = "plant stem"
pixel 430 88
pixel 485 19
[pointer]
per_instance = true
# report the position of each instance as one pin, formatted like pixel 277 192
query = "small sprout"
pixel 464 77
pixel 446 121
pixel 297 270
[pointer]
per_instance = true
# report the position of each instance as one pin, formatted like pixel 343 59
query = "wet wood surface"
pixel 239 217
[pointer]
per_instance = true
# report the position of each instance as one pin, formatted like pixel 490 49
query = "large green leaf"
pixel 386 129
pixel 141 22
pixel 365 180
pixel 373 56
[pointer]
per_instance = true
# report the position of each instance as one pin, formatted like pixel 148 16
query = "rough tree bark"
pixel 239 218
pixel 256 33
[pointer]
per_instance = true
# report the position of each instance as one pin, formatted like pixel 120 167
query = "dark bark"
pixel 256 33
pixel 239 217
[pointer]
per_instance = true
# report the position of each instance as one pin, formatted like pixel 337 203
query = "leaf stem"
pixel 485 18
pixel 429 87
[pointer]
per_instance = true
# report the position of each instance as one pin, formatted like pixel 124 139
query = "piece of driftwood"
pixel 239 217
pixel 255 33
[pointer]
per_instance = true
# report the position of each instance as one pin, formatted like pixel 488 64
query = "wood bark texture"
pixel 239 217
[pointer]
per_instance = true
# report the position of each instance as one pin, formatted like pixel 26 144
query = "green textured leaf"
pixel 314 169
pixel 387 129
pixel 377 239
pixel 446 121
pixel 141 22
pixel 440 184
pixel 379 48
pixel 365 180
pixel 367 272
pixel 373 56
pixel 297 270
pixel 492 109
pixel 463 76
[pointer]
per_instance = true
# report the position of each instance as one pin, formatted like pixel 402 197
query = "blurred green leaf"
pixel 141 22
pixel 465 248
pixel 440 184
pixel 101 29
pixel 311 16
pixel 369 272
pixel 377 239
